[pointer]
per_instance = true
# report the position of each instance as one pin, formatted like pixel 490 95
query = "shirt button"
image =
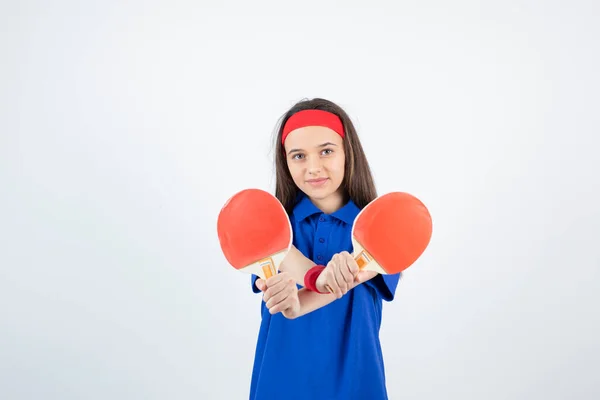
pixel 319 257
pixel 321 219
pixel 321 240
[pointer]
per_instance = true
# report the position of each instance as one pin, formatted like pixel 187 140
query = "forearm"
pixel 296 264
pixel 311 301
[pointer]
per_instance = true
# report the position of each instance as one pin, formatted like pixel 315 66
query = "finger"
pixel 345 272
pixel 346 267
pixel 329 288
pixel 280 297
pixel 340 279
pixel 364 276
pixel 352 265
pixel 282 306
pixel 332 288
pixel 260 284
pixel 275 279
pixel 325 278
pixel 273 290
pixel 333 270
pixel 277 308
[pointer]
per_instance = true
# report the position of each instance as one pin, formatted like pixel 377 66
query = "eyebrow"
pixel 319 146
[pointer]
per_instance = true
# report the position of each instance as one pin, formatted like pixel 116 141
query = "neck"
pixel 330 204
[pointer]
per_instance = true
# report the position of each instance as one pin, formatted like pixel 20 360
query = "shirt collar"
pixel 347 213
pixel 304 208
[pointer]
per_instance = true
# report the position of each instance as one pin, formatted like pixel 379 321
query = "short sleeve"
pixel 385 285
pixel 253 279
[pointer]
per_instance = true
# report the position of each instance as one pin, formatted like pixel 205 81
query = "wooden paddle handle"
pixel 362 259
pixel 268 267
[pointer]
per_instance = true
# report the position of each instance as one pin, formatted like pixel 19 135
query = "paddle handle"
pixel 268 267
pixel 362 259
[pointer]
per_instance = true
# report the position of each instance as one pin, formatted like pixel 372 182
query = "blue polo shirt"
pixel 333 353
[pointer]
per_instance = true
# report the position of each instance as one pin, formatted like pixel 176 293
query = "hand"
pixel 339 275
pixel 280 294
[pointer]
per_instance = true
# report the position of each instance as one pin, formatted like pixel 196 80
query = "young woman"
pixel 313 344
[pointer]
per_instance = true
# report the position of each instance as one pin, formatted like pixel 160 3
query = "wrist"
pixel 311 276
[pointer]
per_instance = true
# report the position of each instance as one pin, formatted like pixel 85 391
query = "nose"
pixel 314 165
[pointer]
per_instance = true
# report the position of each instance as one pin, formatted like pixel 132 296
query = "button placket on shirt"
pixel 320 246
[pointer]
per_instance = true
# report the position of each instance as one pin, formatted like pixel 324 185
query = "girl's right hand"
pixel 280 294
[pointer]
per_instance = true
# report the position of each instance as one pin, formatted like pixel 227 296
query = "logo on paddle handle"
pixel 268 267
pixel 363 259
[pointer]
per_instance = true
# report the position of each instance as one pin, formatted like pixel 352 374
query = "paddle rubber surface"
pixel 251 226
pixel 395 229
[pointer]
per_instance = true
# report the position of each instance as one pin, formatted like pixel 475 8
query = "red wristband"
pixel 310 279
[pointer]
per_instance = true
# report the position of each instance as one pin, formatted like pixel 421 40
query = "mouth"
pixel 317 182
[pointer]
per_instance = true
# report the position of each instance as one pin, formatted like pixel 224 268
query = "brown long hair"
pixel 357 185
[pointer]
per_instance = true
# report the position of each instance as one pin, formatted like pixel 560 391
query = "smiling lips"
pixel 317 182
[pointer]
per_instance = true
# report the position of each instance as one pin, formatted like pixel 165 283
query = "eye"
pixel 327 152
pixel 297 156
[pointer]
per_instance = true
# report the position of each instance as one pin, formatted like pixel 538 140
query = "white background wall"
pixel 124 126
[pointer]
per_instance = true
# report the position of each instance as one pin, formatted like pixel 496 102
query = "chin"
pixel 319 194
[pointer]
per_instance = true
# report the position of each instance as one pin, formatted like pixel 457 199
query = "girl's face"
pixel 315 157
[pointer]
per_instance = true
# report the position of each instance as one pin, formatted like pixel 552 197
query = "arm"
pixel 342 274
pixel 296 265
pixel 282 295
pixel 311 301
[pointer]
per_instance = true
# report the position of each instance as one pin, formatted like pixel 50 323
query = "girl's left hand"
pixel 339 275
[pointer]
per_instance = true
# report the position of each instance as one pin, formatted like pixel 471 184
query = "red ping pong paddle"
pixel 391 233
pixel 254 232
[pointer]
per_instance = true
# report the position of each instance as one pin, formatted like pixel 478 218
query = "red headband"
pixel 313 118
